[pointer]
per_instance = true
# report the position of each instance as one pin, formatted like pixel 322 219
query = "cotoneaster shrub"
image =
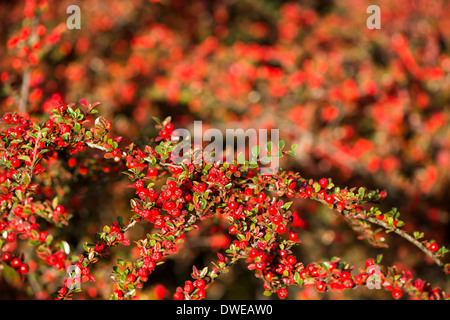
pixel 171 201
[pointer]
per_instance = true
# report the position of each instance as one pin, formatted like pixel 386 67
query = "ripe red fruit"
pixel 59 209
pixel 116 153
pixel 188 286
pixel 281 228
pixel 397 293
pixel 23 268
pixel 7 256
pixel 153 172
pixel 62 291
pixel 232 205
pixel 273 211
pixel 169 126
pixel 7 118
pixel 232 229
pixel 320 286
pixel 282 293
pixel 142 272
pixel 15 263
pixel 131 278
pixel 64 128
pixel 199 284
pixel 118 293
pixel 261 197
pixel 120 236
pixel 15 163
pixel 433 247
pixel 201 294
pixel 329 198
pixel 11 237
pixel 323 183
pixel 178 296
pixel 293 236
pixel 43 236
pixel 201 187
pixel 99 247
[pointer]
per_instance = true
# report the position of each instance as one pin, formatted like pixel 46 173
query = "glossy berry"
pixel 397 293
pixel 116 153
pixel 7 118
pixel 323 183
pixel 293 236
pixel 282 293
pixel 118 293
pixel 15 263
pixel 273 211
pixel 23 268
pixel 329 198
pixel 7 257
pixel 433 247
pixel 15 163
pixel 232 205
pixel 178 296
pixel 281 228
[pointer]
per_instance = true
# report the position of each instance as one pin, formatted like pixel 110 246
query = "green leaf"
pixel 241 158
pixel 281 144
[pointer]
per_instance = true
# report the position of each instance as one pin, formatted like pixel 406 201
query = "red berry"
pixel 23 268
pixel 11 237
pixel 323 182
pixel 273 211
pixel 293 236
pixel 277 219
pixel 131 278
pixel 43 236
pixel 152 172
pixel 232 229
pixel 178 296
pixel 116 153
pixel 7 118
pixel 281 228
pixel 120 236
pixel 15 163
pixel 282 293
pixel 320 286
pixel 261 197
pixel 232 205
pixel 59 209
pixel 118 293
pixel 169 126
pixel 64 128
pixel 142 272
pixel 188 286
pixel 199 284
pixel 7 257
pixel 397 293
pixel 201 187
pixel 329 198
pixel 201 294
pixel 62 291
pixel 15 263
pixel 99 247
pixel 433 247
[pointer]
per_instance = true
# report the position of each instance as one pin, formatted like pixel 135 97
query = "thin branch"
pixel 24 91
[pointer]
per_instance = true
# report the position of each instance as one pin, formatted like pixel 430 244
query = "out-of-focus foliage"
pixel 366 107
